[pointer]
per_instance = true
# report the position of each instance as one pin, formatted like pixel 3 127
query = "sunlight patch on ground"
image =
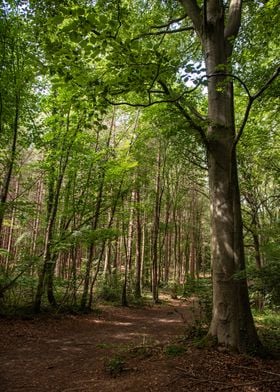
pixel 117 323
pixel 168 321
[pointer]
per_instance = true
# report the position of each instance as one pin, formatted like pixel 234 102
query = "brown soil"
pixel 122 349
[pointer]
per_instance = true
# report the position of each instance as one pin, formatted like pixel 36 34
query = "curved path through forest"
pixel 121 349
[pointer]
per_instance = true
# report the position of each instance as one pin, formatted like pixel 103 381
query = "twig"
pixel 198 380
pixel 257 370
pixel 248 383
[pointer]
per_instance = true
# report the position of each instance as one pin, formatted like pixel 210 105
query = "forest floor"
pixel 122 349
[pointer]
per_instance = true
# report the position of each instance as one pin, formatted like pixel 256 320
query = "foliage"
pixel 95 160
pixel 268 324
pixel 266 283
pixel 110 291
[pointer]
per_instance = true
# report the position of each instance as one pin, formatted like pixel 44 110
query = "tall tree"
pixel 217 28
pixel 216 25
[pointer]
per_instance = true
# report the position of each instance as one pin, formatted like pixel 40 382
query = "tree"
pixel 16 81
pixel 217 28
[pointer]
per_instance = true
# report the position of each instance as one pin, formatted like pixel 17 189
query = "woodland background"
pixel 96 195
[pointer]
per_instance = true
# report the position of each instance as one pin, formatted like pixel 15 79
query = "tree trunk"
pixel 110 223
pixel 155 235
pixel 232 322
pixel 10 164
pixel 138 256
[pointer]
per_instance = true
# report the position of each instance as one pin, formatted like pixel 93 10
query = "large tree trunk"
pixel 232 322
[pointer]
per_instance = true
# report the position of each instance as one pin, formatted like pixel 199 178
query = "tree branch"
pixel 244 122
pixel 234 19
pixel 195 160
pixel 267 84
pixel 185 114
pixel 194 12
pixel 141 105
pixel 252 98
pixel 172 21
pixel 243 84
pixel 161 32
pixel 192 123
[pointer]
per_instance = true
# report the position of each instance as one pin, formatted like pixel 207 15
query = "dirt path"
pixel 122 349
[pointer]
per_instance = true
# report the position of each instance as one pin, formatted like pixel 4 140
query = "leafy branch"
pixel 251 100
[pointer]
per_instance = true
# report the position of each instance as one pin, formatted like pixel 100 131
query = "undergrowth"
pixel 268 326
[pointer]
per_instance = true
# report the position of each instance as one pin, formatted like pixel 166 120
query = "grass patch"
pixel 174 350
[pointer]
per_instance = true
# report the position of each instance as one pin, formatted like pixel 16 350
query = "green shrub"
pixel 264 283
pixel 114 366
pixel 110 289
pixel 268 325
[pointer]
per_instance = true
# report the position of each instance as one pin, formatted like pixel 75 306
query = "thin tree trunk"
pixel 11 163
pixel 138 257
pixel 11 232
pixel 128 250
pixel 155 235
pixel 110 224
pixel 49 258
pixel 91 247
